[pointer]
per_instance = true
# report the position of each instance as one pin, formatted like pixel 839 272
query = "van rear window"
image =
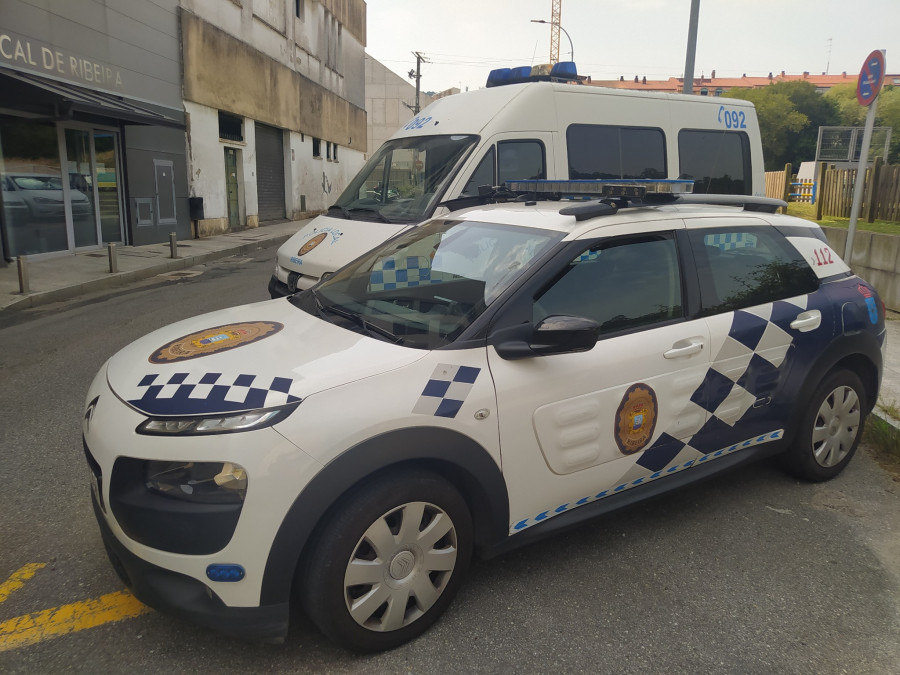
pixel 598 151
pixel 717 161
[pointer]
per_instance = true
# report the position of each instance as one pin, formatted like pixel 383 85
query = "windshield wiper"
pixel 371 329
pixel 383 218
pixel 340 209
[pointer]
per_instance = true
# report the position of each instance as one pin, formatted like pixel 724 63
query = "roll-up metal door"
pixel 269 172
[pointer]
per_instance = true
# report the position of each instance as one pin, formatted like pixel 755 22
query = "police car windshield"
pixel 404 180
pixel 426 287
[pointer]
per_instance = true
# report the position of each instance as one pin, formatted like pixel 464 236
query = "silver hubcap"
pixel 400 566
pixel 836 426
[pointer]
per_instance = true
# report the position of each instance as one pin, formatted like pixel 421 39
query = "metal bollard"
pixel 24 285
pixel 173 245
pixel 113 259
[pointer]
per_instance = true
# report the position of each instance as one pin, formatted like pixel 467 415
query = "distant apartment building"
pixel 715 86
pixel 126 120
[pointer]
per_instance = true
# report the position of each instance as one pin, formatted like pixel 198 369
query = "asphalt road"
pixel 751 573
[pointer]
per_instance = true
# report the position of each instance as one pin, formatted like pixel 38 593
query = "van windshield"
pixel 404 180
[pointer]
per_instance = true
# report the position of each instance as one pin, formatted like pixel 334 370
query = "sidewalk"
pixel 67 276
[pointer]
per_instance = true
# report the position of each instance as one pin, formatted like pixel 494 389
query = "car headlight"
pixel 215 424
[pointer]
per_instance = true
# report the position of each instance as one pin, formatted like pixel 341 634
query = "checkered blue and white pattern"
pixel 403 272
pixel 446 390
pixel 730 241
pixel 209 393
pixel 745 369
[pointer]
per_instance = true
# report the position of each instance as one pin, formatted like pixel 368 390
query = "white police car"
pixel 480 381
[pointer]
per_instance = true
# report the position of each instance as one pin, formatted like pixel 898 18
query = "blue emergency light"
pixel 564 71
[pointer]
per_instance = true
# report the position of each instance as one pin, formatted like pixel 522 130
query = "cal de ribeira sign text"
pixel 31 55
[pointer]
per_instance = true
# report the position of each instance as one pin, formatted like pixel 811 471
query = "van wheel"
pixel 831 428
pixel 388 563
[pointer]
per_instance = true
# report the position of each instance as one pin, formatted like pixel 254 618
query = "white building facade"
pixel 274 96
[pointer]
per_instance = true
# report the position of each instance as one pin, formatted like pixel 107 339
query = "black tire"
pixel 409 574
pixel 830 428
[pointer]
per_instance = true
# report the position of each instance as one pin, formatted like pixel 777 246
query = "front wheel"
pixel 831 428
pixel 386 565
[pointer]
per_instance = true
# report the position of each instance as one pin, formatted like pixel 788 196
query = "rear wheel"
pixel 388 563
pixel 831 428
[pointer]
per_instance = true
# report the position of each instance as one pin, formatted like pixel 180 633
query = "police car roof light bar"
pixel 564 71
pixel 627 187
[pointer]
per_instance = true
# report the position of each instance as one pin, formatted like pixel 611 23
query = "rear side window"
pixel 717 161
pixel 743 267
pixel 601 151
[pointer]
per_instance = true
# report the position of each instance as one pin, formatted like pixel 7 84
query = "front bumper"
pixel 277 288
pixel 188 598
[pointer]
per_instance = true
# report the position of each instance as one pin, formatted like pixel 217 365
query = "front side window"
pixel 523 160
pixel 743 267
pixel 404 180
pixel 717 161
pixel 622 284
pixel 424 288
pixel 603 152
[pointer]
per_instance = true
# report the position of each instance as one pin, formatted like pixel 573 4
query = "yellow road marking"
pixel 18 579
pixel 50 623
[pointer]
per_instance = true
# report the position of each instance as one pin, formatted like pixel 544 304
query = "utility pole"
pixel 691 48
pixel 416 75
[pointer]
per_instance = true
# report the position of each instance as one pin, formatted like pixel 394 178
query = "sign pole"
pixel 859 186
pixel 868 86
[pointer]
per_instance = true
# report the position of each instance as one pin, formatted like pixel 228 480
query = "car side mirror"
pixel 557 334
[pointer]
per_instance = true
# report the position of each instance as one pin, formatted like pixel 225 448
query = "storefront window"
pixel 31 177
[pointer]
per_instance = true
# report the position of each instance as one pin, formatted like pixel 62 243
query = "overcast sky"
pixel 465 39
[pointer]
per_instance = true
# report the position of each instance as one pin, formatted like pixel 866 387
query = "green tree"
pixel 790 114
pixel 778 119
pixel 887 114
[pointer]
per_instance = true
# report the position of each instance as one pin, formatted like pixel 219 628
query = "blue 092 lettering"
pixel 732 119
pixel 417 123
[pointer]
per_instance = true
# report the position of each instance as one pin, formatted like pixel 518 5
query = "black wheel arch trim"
pixel 851 351
pixel 450 454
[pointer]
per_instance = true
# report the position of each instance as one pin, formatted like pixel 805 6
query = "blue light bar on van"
pixel 623 187
pixel 564 71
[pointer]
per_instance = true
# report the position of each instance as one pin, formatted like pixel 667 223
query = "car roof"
pixel 556 215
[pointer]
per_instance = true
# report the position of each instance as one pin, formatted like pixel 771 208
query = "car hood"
pixel 326 244
pixel 244 358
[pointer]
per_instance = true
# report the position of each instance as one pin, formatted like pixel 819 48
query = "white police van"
pixel 483 380
pixel 521 128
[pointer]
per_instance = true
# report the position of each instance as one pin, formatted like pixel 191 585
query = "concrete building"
pixel 389 103
pixel 92 141
pixel 115 113
pixel 274 92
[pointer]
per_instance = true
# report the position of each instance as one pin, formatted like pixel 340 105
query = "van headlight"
pixel 215 424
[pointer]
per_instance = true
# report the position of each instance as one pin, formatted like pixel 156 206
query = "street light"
pixel 554 23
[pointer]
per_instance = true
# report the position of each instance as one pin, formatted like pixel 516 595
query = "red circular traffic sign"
pixel 871 77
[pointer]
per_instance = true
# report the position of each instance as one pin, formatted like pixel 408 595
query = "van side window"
pixel 600 151
pixel 743 267
pixel 520 159
pixel 483 175
pixel 622 284
pixel 717 161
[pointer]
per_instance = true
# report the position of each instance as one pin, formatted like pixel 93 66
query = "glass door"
pixel 106 176
pixel 81 193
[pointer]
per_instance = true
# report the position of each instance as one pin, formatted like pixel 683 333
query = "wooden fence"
pixel 834 194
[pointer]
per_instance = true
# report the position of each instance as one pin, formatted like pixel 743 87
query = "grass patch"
pixel 883 441
pixel 808 212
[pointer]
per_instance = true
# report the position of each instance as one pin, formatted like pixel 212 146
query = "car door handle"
pixel 684 347
pixel 807 321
